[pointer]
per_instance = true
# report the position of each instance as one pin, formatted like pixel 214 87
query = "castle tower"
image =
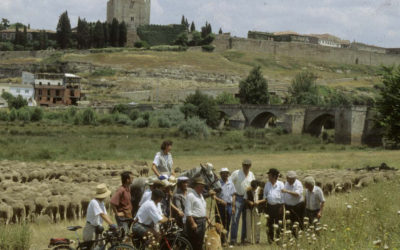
pixel 133 12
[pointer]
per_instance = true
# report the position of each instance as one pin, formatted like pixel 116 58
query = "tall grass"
pixel 15 237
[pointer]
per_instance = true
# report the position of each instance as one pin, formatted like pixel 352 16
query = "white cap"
pixel 291 174
pixel 182 178
pixel 224 170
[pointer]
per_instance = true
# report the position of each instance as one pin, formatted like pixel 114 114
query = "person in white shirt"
pixel 149 215
pixel 225 199
pixel 293 198
pixel 274 199
pixel 96 213
pixel 195 214
pixel 241 179
pixel 315 200
pixel 163 164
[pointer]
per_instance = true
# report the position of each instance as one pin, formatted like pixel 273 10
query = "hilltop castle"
pixel 133 12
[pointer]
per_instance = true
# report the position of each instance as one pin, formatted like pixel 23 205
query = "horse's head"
pixel 208 174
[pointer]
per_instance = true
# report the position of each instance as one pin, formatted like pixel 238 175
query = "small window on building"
pixel 48 83
pixel 59 83
pixel 26 91
pixel 48 99
pixel 132 4
pixel 132 19
pixel 57 92
pixel 40 92
pixel 18 91
pixel 48 92
pixel 40 83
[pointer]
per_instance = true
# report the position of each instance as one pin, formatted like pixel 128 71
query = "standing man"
pixel 293 198
pixel 226 200
pixel 121 201
pixel 315 200
pixel 179 199
pixel 241 179
pixel 195 213
pixel 273 197
pixel 96 213
pixel 162 164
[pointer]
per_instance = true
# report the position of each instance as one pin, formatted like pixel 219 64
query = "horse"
pixel 205 171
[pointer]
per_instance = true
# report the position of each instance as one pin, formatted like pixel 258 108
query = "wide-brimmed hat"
pixel 102 191
pixel 199 180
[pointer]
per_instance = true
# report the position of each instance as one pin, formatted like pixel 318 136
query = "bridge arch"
pixel 264 120
pixel 321 123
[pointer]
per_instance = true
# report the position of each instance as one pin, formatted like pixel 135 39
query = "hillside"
pixel 152 76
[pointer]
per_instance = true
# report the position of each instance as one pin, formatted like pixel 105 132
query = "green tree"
pixel 83 34
pixel 254 89
pixel 220 31
pixel 106 32
pixel 24 37
pixel 388 105
pixel 304 89
pixel 5 23
pixel 123 34
pixel 226 98
pixel 114 33
pixel 98 35
pixel 18 102
pixel 64 31
pixel 182 39
pixel 192 27
pixel 18 37
pixel 203 106
pixel 206 30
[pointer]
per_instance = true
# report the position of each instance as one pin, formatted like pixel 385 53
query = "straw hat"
pixel 102 191
pixel 198 180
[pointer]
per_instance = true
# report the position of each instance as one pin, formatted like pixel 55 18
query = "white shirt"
pixel 94 210
pixel 195 205
pixel 314 198
pixel 292 200
pixel 273 193
pixel 149 213
pixel 145 197
pixel 227 190
pixel 241 181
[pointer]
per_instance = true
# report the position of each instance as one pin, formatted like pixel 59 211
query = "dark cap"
pixel 246 162
pixel 273 171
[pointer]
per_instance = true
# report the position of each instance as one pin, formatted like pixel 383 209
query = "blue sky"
pixel 370 21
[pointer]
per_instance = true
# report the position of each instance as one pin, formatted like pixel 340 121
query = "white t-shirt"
pixel 94 210
pixel 195 205
pixel 273 193
pixel 241 181
pixel 292 200
pixel 314 198
pixel 145 197
pixel 149 213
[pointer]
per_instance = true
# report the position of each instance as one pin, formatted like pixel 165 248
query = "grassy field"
pixel 350 221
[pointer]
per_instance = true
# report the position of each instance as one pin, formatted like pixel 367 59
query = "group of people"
pixel 241 197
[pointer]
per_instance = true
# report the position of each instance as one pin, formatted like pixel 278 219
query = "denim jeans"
pixel 240 211
pixel 125 225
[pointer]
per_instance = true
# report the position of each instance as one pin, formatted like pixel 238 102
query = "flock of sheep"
pixel 62 191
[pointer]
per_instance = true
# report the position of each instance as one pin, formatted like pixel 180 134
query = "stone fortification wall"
pixel 308 51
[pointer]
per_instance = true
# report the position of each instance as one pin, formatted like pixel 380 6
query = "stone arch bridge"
pixel 353 125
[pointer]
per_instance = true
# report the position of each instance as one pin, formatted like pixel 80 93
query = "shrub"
pixel 182 39
pixel 13 114
pixel 164 122
pixel 226 98
pixel 121 119
pixel 194 127
pixel 19 47
pixel 24 115
pixel 89 117
pixel 6 46
pixel 141 44
pixel 104 72
pixel 254 133
pixel 53 115
pixel 303 89
pixel 120 108
pixel 208 48
pixel 140 123
pixel 4 116
pixel 37 114
pixel 206 108
pixel 106 119
pixel 15 102
pixel 168 48
pixel 167 118
pixel 134 114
